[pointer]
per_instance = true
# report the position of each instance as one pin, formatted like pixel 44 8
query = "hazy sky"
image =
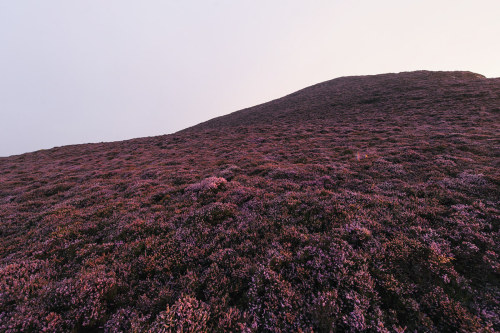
pixel 78 71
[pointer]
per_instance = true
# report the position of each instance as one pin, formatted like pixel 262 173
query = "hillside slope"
pixel 358 204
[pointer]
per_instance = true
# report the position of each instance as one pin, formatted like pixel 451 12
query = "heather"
pixel 362 204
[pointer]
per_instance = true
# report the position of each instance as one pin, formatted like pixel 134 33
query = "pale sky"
pixel 79 71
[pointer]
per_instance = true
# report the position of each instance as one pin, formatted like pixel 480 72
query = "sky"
pixel 85 71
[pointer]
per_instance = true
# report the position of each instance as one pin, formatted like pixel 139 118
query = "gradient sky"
pixel 103 70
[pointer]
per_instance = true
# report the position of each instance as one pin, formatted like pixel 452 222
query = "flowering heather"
pixel 361 204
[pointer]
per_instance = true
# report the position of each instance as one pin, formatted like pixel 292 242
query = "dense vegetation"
pixel 359 204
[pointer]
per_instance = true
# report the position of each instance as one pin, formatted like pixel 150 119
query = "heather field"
pixel 361 204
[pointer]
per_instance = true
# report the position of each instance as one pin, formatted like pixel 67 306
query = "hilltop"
pixel 365 203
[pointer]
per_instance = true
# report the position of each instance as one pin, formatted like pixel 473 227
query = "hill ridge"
pixel 337 87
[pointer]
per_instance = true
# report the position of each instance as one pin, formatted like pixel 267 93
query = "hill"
pixel 363 203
